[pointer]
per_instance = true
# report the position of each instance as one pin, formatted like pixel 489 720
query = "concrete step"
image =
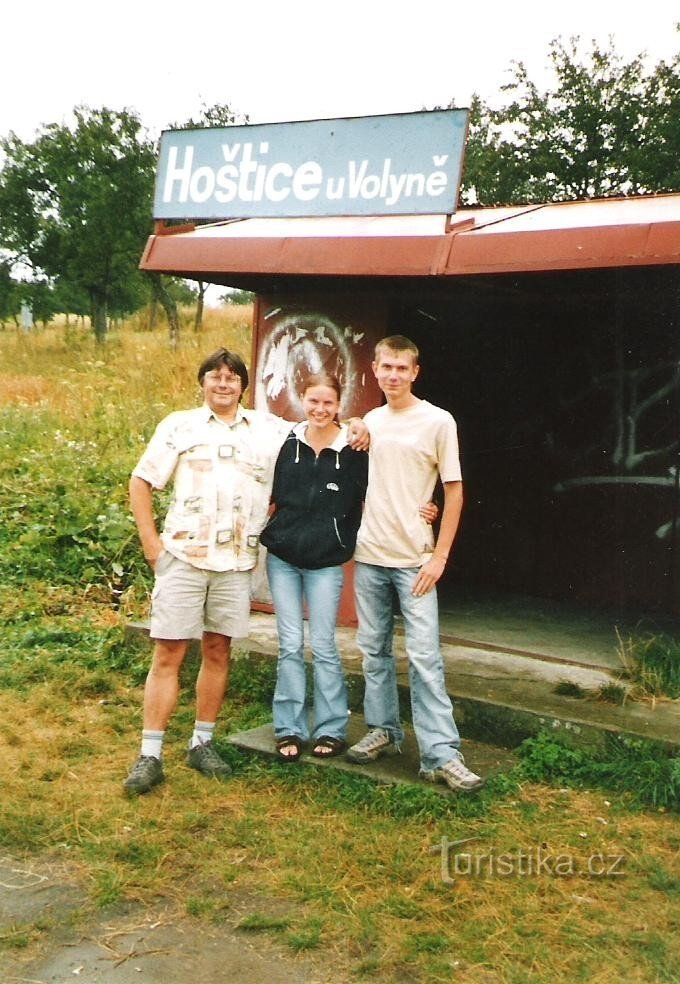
pixel 500 696
pixel 506 696
pixel 394 767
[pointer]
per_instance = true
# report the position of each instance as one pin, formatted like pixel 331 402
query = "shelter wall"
pixel 565 389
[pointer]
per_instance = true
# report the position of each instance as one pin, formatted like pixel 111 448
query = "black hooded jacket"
pixel 318 502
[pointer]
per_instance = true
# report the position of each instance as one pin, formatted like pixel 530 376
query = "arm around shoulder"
pixel 357 434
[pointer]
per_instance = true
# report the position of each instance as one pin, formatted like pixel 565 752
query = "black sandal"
pixel 327 747
pixel 289 741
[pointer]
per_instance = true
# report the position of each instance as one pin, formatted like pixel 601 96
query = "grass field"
pixel 549 881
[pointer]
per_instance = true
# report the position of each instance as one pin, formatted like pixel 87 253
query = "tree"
pixel 238 297
pixel 9 298
pixel 606 128
pixel 75 206
pixel 219 114
pixel 491 171
pixel 658 163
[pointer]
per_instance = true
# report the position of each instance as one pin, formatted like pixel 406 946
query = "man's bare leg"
pixel 160 698
pixel 162 683
pixel 211 686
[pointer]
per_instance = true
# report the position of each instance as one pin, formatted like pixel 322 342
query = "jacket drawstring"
pixel 297 455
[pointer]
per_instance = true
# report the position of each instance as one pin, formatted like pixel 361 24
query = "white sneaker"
pixel 372 746
pixel 455 774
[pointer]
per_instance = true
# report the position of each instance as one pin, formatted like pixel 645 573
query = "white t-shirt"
pixel 410 448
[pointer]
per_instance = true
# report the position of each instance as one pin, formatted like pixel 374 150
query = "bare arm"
pixel 430 572
pixel 141 503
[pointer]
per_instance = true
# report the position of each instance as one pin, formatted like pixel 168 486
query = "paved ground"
pixel 504 656
pixel 135 944
pixel 543 628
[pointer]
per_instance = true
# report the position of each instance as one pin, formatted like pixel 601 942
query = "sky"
pixel 281 60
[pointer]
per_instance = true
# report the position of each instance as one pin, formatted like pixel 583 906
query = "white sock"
pixel 152 743
pixel 203 733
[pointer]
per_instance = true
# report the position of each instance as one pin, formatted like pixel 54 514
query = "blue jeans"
pixel 433 722
pixel 291 587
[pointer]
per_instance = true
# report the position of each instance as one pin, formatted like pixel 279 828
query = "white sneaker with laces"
pixel 455 774
pixel 372 746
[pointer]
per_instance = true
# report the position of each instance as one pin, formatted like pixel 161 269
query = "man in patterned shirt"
pixel 221 459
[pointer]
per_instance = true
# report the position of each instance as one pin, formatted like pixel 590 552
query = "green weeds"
pixel 662 880
pixel 15 937
pixel 612 693
pixel 258 921
pixel 108 888
pixel 307 934
pixel 73 655
pixel 652 662
pixel 647 770
pixel 253 678
pixel 567 688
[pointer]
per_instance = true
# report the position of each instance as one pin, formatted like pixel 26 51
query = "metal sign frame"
pixel 400 164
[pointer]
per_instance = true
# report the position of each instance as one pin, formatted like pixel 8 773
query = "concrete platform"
pixel 542 628
pixel 504 694
pixel 485 760
pixel 503 659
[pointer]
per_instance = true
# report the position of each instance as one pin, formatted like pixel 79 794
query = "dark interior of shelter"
pixel 565 387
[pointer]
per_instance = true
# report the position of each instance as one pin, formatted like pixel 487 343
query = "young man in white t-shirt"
pixel 413 443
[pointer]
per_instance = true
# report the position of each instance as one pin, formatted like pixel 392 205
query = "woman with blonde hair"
pixel 318 493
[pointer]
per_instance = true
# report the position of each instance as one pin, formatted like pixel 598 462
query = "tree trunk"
pixel 161 293
pixel 198 320
pixel 98 302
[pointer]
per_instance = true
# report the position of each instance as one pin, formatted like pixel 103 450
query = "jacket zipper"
pixel 337 532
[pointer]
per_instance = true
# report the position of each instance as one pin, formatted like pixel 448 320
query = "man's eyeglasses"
pixel 222 377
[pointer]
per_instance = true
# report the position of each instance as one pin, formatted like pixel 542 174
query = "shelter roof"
pixel 595 234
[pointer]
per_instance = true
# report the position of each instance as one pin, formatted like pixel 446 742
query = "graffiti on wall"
pixel 297 344
pixel 635 395
pixel 295 341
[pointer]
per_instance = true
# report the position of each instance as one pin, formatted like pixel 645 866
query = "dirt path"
pixel 134 943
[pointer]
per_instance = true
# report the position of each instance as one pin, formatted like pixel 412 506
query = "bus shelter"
pixel 549 331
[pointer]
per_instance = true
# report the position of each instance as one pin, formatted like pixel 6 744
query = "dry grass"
pixel 63 369
pixel 364 886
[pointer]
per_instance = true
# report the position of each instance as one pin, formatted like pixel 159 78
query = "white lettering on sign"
pixel 246 176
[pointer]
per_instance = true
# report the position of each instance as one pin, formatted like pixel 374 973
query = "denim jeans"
pixel 291 587
pixel 433 722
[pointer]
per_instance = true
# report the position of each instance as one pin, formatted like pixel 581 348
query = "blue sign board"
pixel 403 164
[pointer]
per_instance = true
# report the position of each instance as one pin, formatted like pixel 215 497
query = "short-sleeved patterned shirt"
pixel 222 477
